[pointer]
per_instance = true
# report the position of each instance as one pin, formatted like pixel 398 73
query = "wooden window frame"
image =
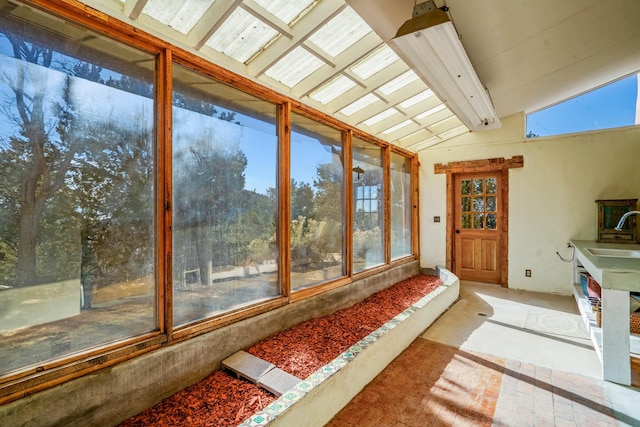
pixel 27 381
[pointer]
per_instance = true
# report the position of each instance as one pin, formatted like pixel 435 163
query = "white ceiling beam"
pixel 433 119
pixel 210 21
pixel 445 125
pixel 420 140
pixel 344 60
pixel 388 101
pixel 420 107
pixel 385 124
pixel 402 132
pixel 322 13
pixel 133 8
pixel 267 17
pixel 377 80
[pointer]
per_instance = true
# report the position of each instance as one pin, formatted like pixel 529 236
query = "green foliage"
pixel 302 199
pixel 8 260
pixel 72 184
pixel 328 202
pixel 308 239
pixel 365 241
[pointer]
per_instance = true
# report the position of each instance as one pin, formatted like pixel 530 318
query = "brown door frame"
pixel 501 165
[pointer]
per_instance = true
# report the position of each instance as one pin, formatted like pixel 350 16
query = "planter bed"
pixel 337 355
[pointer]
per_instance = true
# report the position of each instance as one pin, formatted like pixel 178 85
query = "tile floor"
pixel 497 357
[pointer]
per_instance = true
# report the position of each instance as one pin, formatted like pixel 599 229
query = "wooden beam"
pixel 164 195
pixel 487 165
pixel 284 197
pixel 347 145
pixel 133 8
pixel 386 179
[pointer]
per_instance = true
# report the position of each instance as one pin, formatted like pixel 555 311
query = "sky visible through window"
pixel 610 106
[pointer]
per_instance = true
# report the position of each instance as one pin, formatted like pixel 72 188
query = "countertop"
pixel 611 273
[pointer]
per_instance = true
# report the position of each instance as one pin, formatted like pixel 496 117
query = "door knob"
pixel 457 231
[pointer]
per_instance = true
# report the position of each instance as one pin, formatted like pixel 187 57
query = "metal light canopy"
pixel 429 43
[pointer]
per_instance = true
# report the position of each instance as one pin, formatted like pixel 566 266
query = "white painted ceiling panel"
pixel 375 62
pixel 332 90
pixel 294 67
pixel 341 32
pixel 179 14
pixel 287 10
pixel 360 104
pixel 241 36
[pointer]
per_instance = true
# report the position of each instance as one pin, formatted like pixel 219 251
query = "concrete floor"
pixel 497 357
pixel 542 329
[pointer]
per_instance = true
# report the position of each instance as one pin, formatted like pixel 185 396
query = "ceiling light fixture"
pixel 359 171
pixel 429 43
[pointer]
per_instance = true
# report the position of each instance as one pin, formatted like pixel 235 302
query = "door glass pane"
pixel 490 185
pixel 465 186
pixel 317 203
pixel 368 235
pixel 478 204
pixel 465 221
pixel 491 221
pixel 466 204
pixel 477 186
pixel 400 206
pixel 491 204
pixel 77 267
pixel 224 198
pixel 478 221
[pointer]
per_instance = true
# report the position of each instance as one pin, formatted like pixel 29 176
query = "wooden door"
pixel 477 227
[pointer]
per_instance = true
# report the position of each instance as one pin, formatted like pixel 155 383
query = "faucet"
pixel 624 218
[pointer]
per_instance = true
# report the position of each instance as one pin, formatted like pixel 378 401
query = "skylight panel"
pixel 179 14
pixel 294 67
pixel 241 36
pixel 399 82
pixel 445 125
pixel 397 127
pixel 375 62
pixel 380 117
pixel 431 111
pixel 358 105
pixel 459 130
pixel 344 30
pixel 286 10
pixel 416 98
pixel 422 143
pixel 331 91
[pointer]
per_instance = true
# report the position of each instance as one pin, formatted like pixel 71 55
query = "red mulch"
pixel 222 400
pixel 218 400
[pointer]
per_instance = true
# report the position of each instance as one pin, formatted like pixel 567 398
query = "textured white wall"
pixel 551 199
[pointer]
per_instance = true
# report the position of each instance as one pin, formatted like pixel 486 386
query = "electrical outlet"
pixel 436 219
pixel 527 273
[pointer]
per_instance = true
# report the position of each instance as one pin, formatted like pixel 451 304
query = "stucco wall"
pixel 113 394
pixel 551 199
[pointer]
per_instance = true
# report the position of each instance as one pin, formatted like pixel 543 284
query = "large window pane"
pixel 400 206
pixel 609 106
pixel 76 189
pixel 368 206
pixel 224 198
pixel 317 212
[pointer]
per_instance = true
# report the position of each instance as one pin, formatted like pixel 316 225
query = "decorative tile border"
pixel 289 398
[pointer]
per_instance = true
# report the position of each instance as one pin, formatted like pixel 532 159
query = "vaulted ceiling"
pixel 333 55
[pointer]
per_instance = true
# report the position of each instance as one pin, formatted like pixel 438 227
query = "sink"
pixel 615 253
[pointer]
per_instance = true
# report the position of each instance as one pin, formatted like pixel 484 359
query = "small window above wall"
pixel 610 106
